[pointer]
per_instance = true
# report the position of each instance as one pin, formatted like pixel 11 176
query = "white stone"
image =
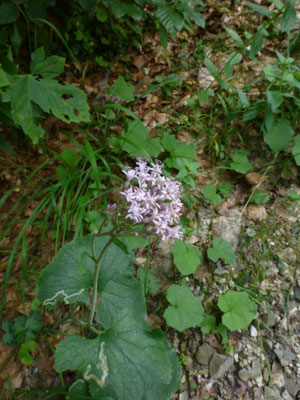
pixel 253 331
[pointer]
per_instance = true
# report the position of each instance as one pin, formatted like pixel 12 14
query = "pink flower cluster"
pixel 153 199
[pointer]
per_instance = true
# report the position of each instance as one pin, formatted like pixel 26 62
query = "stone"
pixel 271 394
pixel 286 396
pixel 290 385
pixel 270 319
pixel 250 373
pixel 184 395
pixel 285 356
pixel 219 365
pixel 204 353
pixel 297 293
pixel 253 331
pixel 278 379
pixel 229 227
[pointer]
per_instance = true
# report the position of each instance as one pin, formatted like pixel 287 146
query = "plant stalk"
pixel 95 286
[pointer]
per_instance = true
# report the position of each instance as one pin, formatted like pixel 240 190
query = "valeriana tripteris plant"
pixel 116 338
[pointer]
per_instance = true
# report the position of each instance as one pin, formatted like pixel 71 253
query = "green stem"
pixel 147 267
pixel 95 286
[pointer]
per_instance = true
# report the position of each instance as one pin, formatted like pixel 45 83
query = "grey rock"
pixel 270 319
pixel 271 394
pixel 229 227
pixel 286 396
pixel 285 356
pixel 297 293
pixel 204 353
pixel 250 373
pixel 278 379
pixel 162 262
pixel 184 396
pixel 290 385
pixel 219 365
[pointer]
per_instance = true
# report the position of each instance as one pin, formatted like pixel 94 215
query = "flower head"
pixel 153 199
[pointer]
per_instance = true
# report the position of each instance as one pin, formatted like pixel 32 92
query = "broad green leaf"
pixel 238 309
pixel 122 89
pixel 69 276
pixel 186 257
pixel 9 12
pixel 180 150
pixel 210 193
pixel 128 351
pixel 280 135
pixel 186 310
pixel 259 197
pixel 294 196
pixel 3 78
pixel 259 9
pixel 215 73
pixel 134 140
pixel 192 14
pixel 135 242
pixel 163 37
pixel 48 68
pixel 296 149
pixel 256 44
pixel 235 36
pixel 208 324
pixel 289 17
pixel 24 353
pixel 221 249
pixel 204 95
pixel 243 98
pixel 225 188
pixel 50 96
pixel 79 391
pixel 5 145
pixel 240 162
pixel 232 59
pixel 275 99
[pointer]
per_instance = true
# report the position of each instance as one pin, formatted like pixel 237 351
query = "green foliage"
pixel 221 249
pixel 240 162
pixel 259 197
pixel 210 193
pixel 122 89
pixel 186 257
pixel 238 309
pixel 26 92
pixel 279 135
pixel 186 310
pixel 23 332
pixel 152 282
pixel 120 313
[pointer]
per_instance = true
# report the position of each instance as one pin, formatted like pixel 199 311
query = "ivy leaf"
pixel 186 310
pixel 122 89
pixel 186 257
pixel 210 193
pixel 280 135
pixel 221 249
pixel 238 308
pixel 9 12
pixel 296 149
pixel 240 162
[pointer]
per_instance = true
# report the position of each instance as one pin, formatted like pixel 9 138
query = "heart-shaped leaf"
pixel 186 310
pixel 238 308
pixel 221 249
pixel 186 257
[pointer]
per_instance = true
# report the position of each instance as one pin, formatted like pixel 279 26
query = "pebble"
pixel 278 379
pixel 285 356
pixel 204 353
pixel 253 331
pixel 184 396
pixel 219 365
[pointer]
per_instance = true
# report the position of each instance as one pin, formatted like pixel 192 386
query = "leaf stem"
pixel 147 267
pixel 96 276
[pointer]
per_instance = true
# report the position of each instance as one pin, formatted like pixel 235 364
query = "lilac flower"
pixel 153 199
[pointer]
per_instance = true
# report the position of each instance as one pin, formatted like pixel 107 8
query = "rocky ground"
pixel 263 361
